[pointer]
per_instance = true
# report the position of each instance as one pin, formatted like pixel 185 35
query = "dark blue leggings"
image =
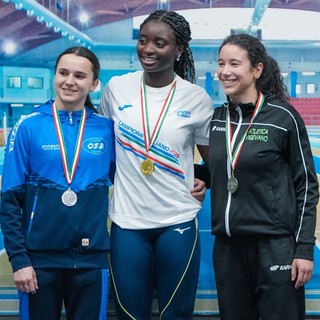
pixel 84 293
pixel 165 261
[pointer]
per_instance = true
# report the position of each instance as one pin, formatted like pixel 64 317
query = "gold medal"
pixel 147 166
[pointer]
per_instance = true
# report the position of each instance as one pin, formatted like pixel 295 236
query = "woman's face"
pixel 157 48
pixel 73 81
pixel 236 75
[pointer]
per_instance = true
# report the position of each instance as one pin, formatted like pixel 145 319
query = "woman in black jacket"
pixel 264 189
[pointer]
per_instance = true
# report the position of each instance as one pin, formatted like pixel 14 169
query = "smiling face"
pixel 73 81
pixel 157 50
pixel 236 74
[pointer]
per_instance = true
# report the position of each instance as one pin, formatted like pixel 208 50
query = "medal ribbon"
pixel 148 141
pixel 233 158
pixel 69 172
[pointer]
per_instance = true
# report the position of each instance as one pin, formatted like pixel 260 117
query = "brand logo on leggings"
pixel 280 268
pixel 181 231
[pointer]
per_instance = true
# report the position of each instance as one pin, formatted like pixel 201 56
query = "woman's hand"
pixel 199 190
pixel 25 280
pixel 301 272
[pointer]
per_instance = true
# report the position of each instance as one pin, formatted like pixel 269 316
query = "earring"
pixel 178 57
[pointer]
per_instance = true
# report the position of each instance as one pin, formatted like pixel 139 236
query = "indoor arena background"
pixel 43 28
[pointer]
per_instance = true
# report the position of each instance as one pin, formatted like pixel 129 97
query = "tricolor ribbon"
pixel 69 172
pixel 150 138
pixel 233 158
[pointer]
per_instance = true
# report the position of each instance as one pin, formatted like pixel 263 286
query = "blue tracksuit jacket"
pixel 38 229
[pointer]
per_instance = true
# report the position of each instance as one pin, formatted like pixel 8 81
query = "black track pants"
pixel 253 277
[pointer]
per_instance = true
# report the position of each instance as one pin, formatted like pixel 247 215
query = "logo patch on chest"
pixel 95 145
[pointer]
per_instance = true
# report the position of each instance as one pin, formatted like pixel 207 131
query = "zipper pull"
pixel 70 118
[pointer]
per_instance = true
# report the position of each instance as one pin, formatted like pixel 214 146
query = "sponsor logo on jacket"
pixel 15 129
pixel 50 147
pixel 258 135
pixel 184 113
pixel 95 145
pixel 215 128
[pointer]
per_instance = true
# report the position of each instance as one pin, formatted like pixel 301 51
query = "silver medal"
pixel 69 198
pixel 232 184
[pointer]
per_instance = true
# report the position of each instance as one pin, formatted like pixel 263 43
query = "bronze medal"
pixel 232 184
pixel 147 166
pixel 69 198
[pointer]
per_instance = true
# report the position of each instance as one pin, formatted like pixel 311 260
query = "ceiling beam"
pixel 259 10
pixel 51 20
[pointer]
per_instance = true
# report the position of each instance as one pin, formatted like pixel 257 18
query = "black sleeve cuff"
pixel 201 172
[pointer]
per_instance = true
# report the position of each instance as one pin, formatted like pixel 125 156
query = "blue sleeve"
pixel 15 170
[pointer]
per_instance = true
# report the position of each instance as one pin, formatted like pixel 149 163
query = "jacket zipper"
pixel 70 118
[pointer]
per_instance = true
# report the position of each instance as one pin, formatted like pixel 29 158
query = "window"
pixel 298 88
pixel 310 88
pixel 35 83
pixel 13 82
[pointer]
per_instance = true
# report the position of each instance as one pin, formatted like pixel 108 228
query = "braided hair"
pixel 270 82
pixel 184 66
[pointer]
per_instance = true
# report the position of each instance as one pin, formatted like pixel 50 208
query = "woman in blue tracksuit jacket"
pixel 264 190
pixel 58 167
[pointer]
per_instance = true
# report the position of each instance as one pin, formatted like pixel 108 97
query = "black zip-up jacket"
pixel 277 184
